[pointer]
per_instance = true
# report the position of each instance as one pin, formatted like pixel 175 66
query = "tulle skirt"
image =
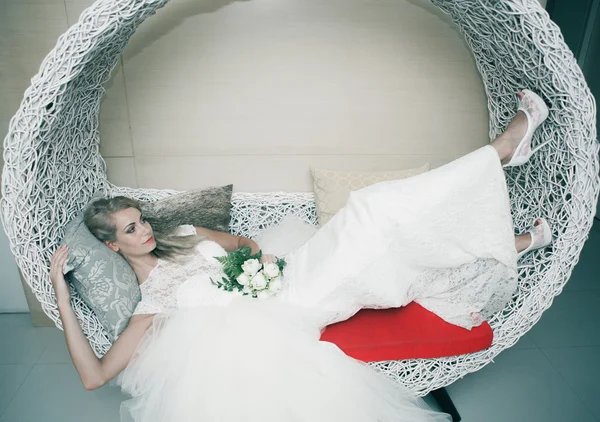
pixel 252 361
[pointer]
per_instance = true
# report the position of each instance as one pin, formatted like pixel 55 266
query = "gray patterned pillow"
pixel 103 279
pixel 209 208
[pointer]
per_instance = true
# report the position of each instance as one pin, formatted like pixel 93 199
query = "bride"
pixel 192 352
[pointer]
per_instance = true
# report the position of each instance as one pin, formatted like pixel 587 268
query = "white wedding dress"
pixel 443 238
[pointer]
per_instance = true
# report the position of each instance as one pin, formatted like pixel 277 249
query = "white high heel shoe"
pixel 541 236
pixel 536 111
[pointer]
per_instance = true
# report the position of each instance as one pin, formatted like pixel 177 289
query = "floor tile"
pixel 580 367
pixel 584 277
pixel 524 342
pixel 15 320
pixel 521 386
pixel 56 350
pixel 11 378
pixel 58 395
pixel 432 403
pixel 585 273
pixel 23 345
pixel 572 320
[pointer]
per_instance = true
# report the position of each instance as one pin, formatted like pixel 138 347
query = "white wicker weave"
pixel 53 166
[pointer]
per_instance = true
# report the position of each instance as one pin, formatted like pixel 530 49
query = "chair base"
pixel 442 397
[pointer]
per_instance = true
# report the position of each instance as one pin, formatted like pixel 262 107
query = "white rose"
pixel 247 289
pixel 264 294
pixel 272 270
pixel 243 279
pixel 251 267
pixel 259 281
pixel 275 285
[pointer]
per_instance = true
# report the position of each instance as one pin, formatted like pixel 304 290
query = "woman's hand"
pixel 268 259
pixel 61 288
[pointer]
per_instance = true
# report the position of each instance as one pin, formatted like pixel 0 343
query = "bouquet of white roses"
pixel 245 274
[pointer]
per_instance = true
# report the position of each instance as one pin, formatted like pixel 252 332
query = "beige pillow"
pixel 332 187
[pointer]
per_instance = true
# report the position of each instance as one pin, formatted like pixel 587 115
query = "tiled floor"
pixel 551 375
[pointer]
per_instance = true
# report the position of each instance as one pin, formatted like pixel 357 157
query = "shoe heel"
pixel 540 146
pixel 533 124
pixel 540 103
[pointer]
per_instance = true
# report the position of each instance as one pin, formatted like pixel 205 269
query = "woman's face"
pixel 134 234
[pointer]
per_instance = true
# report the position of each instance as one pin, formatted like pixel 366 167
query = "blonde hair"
pixel 98 217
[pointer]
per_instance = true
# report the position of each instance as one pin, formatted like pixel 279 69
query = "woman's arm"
pixel 231 242
pixel 94 372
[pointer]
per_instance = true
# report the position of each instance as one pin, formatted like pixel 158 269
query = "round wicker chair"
pixel 53 165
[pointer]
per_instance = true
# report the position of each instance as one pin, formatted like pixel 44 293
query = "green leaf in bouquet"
pixel 281 264
pixel 222 259
pixel 230 273
pixel 216 283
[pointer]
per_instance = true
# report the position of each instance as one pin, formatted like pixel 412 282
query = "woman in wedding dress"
pixel 192 352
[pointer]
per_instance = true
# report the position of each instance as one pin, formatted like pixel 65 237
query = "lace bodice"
pixel 159 291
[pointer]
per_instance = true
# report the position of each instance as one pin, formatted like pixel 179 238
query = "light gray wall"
pixel 12 298
pixel 253 93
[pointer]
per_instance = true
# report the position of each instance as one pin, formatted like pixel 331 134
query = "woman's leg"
pixel 522 241
pixel 507 142
pixel 505 145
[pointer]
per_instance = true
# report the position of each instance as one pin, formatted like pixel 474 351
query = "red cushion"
pixel 404 333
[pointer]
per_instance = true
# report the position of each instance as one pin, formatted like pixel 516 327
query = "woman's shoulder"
pixel 145 307
pixel 210 249
pixel 184 230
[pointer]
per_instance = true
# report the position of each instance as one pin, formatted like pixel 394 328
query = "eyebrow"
pixel 125 228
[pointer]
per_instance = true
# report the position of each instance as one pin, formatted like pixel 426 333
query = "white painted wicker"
pixel 53 166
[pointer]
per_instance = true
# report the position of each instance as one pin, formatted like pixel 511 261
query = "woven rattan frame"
pixel 53 166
